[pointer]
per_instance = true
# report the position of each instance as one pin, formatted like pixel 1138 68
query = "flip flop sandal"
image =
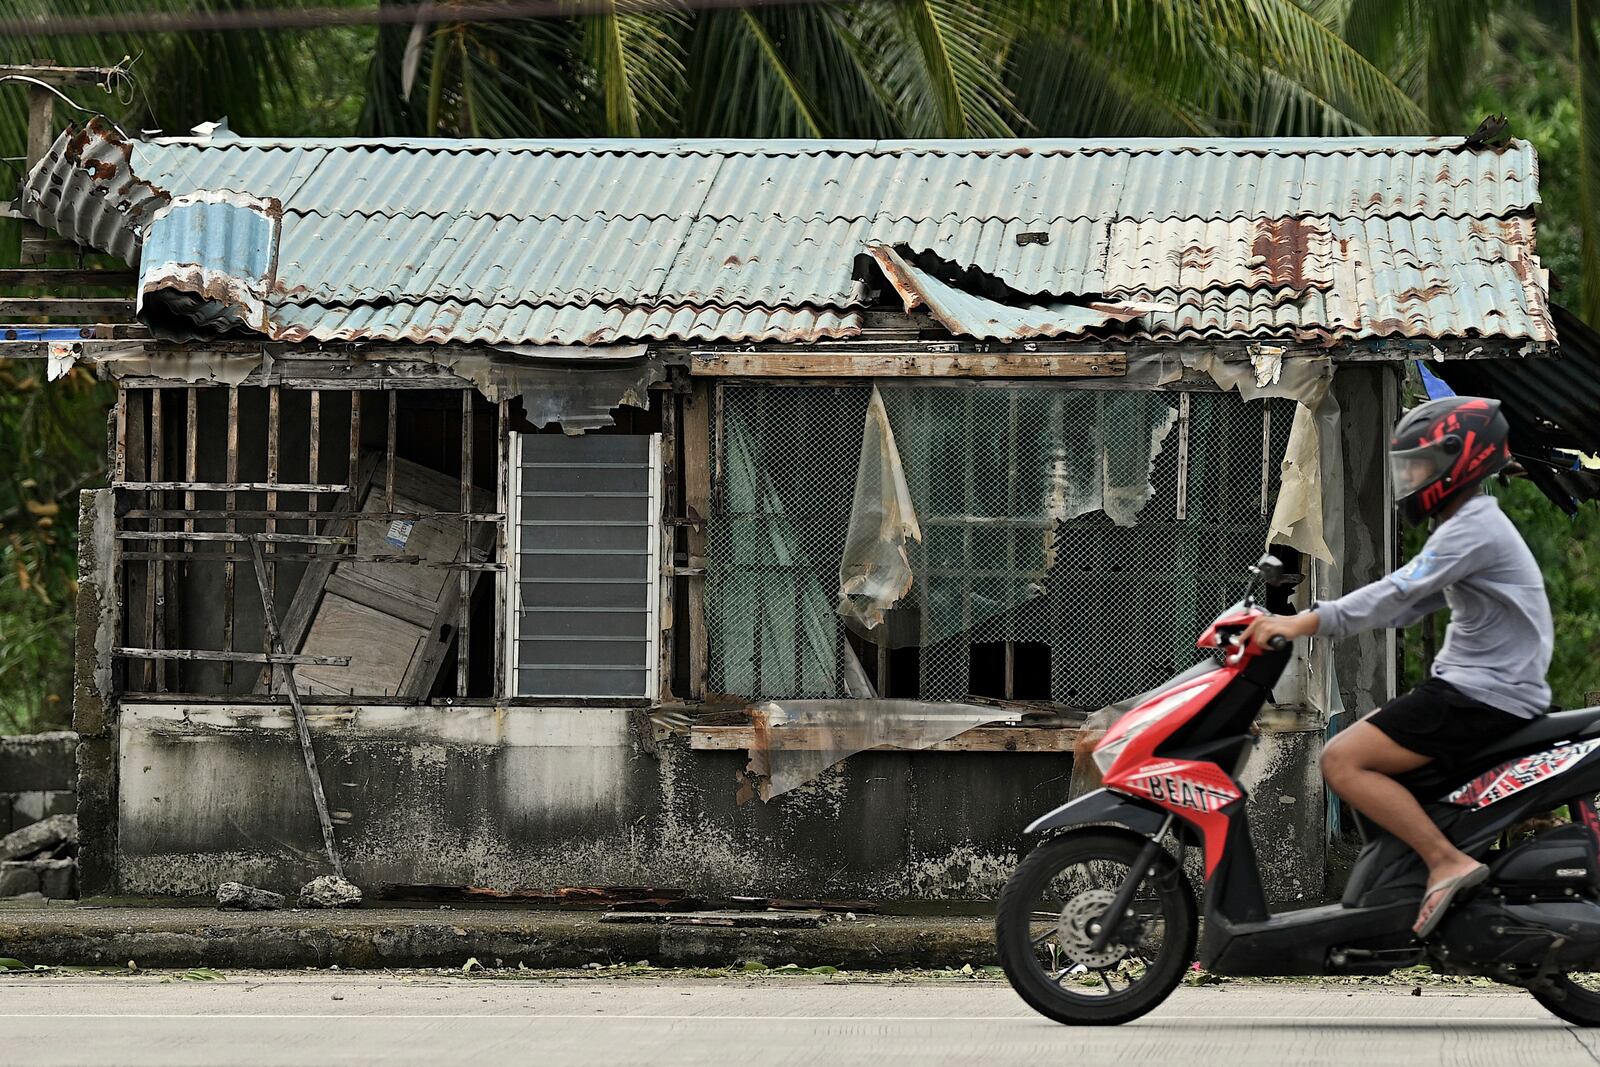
pixel 1450 888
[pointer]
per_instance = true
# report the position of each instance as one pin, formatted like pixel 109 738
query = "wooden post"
pixel 464 577
pixel 155 576
pixel 503 548
pixel 273 400
pixel 313 461
pixel 697 459
pixel 232 504
pixel 667 523
pixel 388 455
pixel 41 128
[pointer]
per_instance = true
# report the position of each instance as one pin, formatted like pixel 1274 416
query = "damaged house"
pixel 742 517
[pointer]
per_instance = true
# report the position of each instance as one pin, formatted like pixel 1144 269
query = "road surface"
pixel 319 1019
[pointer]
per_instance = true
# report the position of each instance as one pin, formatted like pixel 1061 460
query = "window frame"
pixel 653 582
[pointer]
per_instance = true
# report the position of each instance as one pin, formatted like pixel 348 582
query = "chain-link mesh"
pixel 1008 553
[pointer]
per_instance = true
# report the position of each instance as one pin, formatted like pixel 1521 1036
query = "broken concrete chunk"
pixel 17 879
pixel 44 835
pixel 236 896
pixel 58 879
pixel 329 891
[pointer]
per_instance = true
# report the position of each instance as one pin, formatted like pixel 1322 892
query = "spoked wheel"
pixel 1575 998
pixel 1049 913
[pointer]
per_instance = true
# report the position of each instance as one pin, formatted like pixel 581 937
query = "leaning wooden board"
pixel 395 621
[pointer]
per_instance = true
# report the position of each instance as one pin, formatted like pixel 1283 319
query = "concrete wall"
pixel 539 798
pixel 38 778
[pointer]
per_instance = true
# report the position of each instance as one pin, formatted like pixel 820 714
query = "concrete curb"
pixel 372 938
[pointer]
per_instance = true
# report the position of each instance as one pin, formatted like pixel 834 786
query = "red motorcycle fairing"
pixel 1195 791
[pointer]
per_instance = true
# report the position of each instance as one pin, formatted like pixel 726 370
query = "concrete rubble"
pixel 236 896
pixel 329 891
pixel 45 835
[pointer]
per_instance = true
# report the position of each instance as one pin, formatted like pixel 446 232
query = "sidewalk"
pixel 376 937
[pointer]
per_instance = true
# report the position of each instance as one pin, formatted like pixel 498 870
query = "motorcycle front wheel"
pixel 1050 908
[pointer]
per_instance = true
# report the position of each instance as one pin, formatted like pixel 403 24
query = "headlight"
pixel 1106 754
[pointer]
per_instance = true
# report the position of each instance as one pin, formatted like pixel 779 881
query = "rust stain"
pixel 1282 246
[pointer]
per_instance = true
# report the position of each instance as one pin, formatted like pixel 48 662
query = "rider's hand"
pixel 1264 628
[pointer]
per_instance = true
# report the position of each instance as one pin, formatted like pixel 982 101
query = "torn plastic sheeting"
pixel 1082 452
pixel 182 366
pixel 509 370
pixel 985 319
pixel 796 740
pixel 1310 474
pixel 581 396
pixel 875 570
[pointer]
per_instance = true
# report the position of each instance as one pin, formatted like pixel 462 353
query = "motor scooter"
pixel 1099 923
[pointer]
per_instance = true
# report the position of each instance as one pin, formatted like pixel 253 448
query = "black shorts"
pixel 1436 719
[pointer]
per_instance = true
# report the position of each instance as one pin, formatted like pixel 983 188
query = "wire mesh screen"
pixel 1104 527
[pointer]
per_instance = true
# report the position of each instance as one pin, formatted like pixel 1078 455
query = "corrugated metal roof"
pixel 1035 188
pixel 463 240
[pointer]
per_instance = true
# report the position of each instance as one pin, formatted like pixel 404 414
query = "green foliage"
pixel 56 432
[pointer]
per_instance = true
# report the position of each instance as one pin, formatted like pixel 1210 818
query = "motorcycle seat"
pixel 1539 734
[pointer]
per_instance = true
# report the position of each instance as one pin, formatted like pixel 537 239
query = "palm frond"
pixel 1586 62
pixel 939 62
pixel 638 69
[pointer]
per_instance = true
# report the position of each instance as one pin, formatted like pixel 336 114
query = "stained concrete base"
pixel 417 937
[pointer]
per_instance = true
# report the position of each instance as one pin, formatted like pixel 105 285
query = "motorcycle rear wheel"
pixel 1045 947
pixel 1575 999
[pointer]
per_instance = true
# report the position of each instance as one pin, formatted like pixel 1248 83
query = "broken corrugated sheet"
pixel 970 315
pixel 521 242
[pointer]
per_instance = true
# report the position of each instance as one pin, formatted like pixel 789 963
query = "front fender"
pixel 1100 807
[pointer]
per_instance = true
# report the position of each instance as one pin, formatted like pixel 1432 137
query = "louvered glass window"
pixel 584 623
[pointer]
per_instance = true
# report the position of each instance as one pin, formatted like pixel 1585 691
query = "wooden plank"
pixel 190 537
pixel 928 365
pixel 58 75
pixel 61 308
pixel 270 612
pixel 35 246
pixel 464 594
pixel 332 513
pixel 801 738
pixel 52 277
pixel 41 127
pixel 229 487
pixel 696 435
pixel 209 656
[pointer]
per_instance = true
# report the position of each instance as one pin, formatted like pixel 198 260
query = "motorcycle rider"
pixel 1489 676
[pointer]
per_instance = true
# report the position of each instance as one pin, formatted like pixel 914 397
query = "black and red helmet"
pixel 1442 450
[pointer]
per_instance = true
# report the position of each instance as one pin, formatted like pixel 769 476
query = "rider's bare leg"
pixel 1359 764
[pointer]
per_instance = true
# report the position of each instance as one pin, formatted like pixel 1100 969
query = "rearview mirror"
pixel 1269 569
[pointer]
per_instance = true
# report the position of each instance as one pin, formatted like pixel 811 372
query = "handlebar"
pixel 1277 642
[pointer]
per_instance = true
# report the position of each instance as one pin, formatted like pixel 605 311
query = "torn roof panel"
pixel 551 242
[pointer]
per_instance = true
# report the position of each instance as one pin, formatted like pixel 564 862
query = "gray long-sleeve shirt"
pixel 1497 646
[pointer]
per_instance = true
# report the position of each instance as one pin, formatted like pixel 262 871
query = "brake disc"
pixel 1072 930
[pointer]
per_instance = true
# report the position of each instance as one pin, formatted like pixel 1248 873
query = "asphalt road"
pixel 320 1020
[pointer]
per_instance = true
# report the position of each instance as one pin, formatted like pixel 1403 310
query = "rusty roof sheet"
pixel 555 242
